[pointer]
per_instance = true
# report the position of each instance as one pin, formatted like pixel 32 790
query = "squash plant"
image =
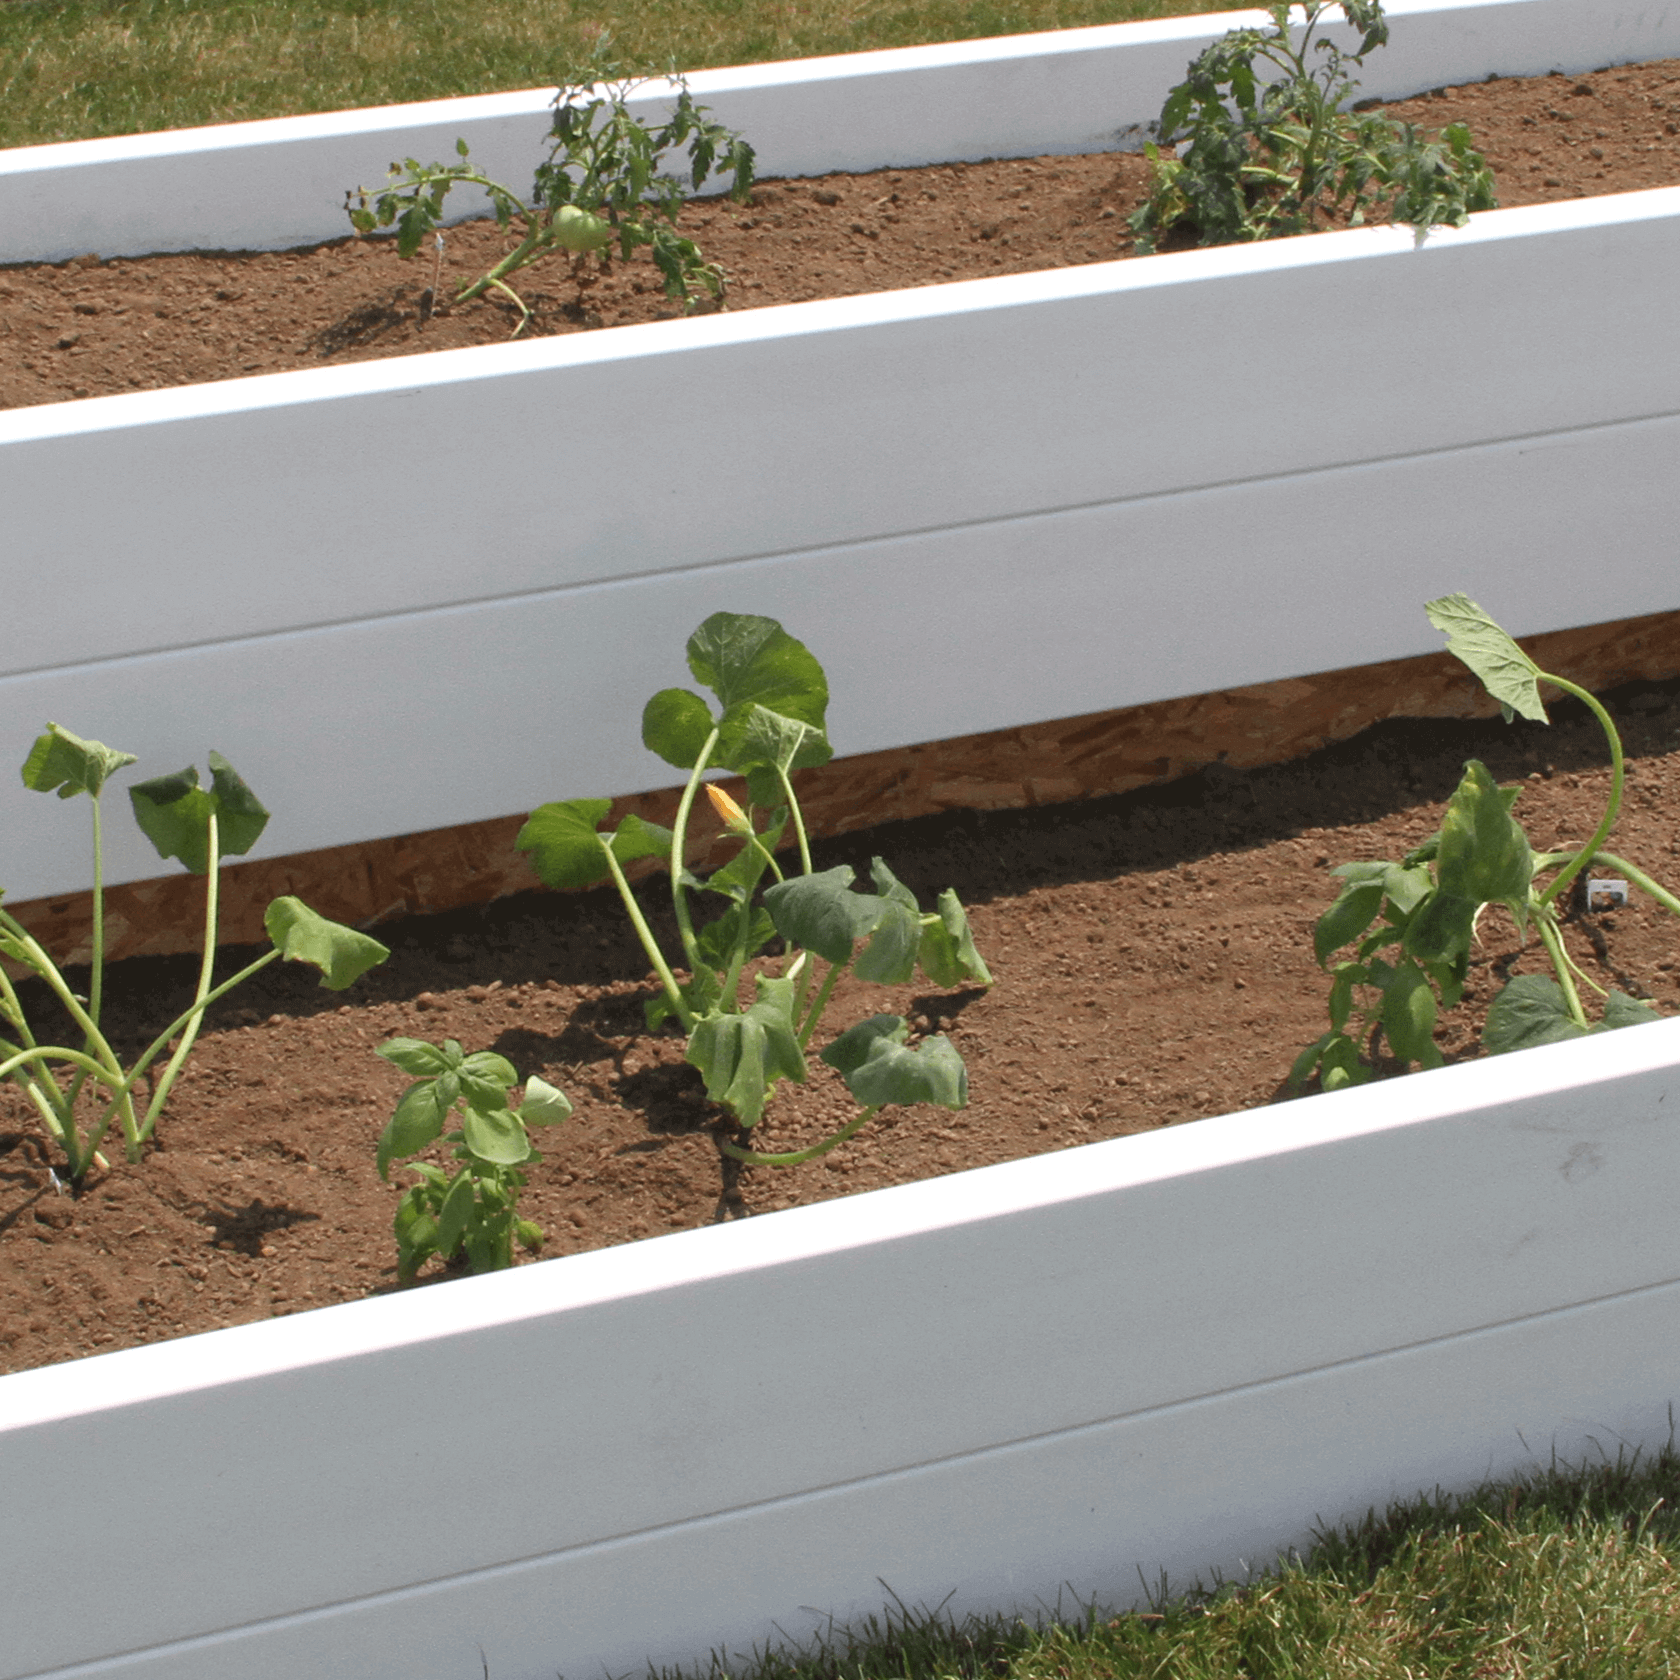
pixel 1411 924
pixel 772 700
pixel 200 826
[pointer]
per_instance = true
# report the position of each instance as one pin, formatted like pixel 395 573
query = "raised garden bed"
pixel 1004 430
pixel 738 1420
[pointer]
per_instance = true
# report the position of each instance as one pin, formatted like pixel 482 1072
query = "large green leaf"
pixel 1442 928
pixel 879 1068
pixel 1484 856
pixel 544 1104
pixel 820 912
pixel 751 664
pixel 453 1215
pixel 1354 909
pixel 174 814
pixel 744 659
pixel 342 954
pixel 416 1056
pixel 66 762
pixel 240 815
pixel 742 1056
pixel 1408 1016
pixel 485 1078
pixel 947 954
pixel 716 941
pixel 1506 672
pixel 1620 1010
pixel 890 956
pixel 758 737
pixel 495 1135
pixel 675 724
pixel 1530 1010
pixel 417 1120
pixel 568 850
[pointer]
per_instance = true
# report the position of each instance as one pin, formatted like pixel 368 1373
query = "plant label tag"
pixel 1606 895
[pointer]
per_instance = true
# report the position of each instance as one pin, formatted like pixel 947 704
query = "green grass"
pixel 71 69
pixel 1570 1574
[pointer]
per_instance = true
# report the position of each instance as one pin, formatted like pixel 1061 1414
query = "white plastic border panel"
pixel 270 184
pixel 412 593
pixel 1170 1352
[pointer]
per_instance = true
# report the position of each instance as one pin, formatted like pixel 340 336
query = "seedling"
pixel 474 1210
pixel 199 826
pixel 1416 961
pixel 773 699
pixel 600 184
pixel 1266 146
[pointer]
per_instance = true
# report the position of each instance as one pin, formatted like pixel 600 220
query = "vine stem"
pixel 754 1158
pixel 649 944
pixel 1553 941
pixel 207 963
pixel 1617 775
pixel 679 842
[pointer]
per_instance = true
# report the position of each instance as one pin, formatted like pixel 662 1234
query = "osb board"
pixel 1042 764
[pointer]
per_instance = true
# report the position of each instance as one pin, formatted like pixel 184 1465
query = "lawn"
pixel 73 69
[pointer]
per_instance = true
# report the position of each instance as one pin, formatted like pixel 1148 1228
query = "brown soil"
pixel 1153 964
pixel 88 328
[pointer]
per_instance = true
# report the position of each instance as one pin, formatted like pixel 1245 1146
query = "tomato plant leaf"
pixel 66 763
pixel 879 1067
pixel 1505 671
pixel 742 1056
pixel 342 954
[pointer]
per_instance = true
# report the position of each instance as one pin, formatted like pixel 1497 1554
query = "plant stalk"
pixel 792 1158
pixel 1617 776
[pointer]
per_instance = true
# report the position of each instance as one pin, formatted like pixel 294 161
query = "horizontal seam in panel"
pixel 846 544
pixel 390 1595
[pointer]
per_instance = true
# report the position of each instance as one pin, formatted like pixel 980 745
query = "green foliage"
pixel 472 1212
pixel 199 826
pixel 605 181
pixel 769 720
pixel 1266 147
pixel 1412 924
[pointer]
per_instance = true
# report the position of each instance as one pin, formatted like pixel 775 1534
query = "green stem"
pixel 649 944
pixel 1617 775
pixel 1641 880
pixel 798 820
pixel 207 962
pixel 792 1159
pixel 820 1003
pixel 679 841
pixel 96 979
pixel 1553 942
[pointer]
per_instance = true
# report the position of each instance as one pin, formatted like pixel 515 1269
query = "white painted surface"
pixel 484 561
pixel 270 184
pixel 1176 1351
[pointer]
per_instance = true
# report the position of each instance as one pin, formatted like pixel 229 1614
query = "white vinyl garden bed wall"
pixel 1175 1352
pixel 407 594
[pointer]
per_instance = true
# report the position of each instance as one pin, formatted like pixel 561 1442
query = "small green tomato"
pixel 579 230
